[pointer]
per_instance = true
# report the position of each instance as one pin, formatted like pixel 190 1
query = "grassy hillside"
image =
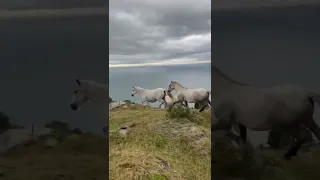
pixel 80 157
pixel 158 144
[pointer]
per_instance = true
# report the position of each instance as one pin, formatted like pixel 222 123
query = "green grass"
pixel 173 144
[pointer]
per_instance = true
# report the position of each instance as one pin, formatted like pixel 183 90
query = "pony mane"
pixel 138 87
pixel 215 69
pixel 176 82
pixel 95 84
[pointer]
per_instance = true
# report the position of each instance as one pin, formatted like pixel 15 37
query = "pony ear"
pixel 171 81
pixel 78 81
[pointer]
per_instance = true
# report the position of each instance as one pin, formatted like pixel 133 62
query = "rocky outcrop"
pixel 116 104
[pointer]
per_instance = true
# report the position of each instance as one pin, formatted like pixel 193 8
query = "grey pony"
pixel 285 107
pixel 93 92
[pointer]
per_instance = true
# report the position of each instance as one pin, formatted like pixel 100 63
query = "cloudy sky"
pixel 163 31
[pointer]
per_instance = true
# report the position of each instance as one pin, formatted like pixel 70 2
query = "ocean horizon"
pixel 122 80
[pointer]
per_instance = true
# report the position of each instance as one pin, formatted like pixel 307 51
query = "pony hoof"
pixel 287 157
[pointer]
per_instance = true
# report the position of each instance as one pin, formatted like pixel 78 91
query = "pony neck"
pixel 222 82
pixel 100 97
pixel 139 90
pixel 178 87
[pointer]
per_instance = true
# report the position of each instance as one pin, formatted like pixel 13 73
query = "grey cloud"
pixel 157 30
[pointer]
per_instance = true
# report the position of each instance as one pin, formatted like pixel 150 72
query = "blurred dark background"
pixel 42 57
pixel 269 46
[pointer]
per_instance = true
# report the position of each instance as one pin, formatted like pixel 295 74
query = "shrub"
pixel 128 102
pixel 58 126
pixel 77 131
pixel 231 162
pixel 4 122
pixel 176 112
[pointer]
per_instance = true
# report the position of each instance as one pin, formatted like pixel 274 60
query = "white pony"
pixel 187 95
pixel 91 91
pixel 262 109
pixel 150 95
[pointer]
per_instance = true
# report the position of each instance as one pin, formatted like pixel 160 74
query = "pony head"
pixel 79 96
pixel 134 91
pixel 171 86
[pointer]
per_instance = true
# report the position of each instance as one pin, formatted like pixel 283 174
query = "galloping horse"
pixel 187 95
pixel 261 109
pixel 150 95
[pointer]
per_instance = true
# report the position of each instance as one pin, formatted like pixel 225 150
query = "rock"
pixel 123 131
pixel 128 125
pixel 116 104
pixel 50 143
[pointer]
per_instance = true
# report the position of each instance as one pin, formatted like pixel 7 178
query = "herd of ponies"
pixel 234 104
pixel 164 96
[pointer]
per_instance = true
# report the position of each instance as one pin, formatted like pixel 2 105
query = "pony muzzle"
pixel 74 107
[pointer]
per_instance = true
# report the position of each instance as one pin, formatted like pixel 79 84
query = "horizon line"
pixel 165 63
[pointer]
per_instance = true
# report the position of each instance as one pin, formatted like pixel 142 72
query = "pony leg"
pixel 161 105
pixel 314 128
pixel 234 137
pixel 295 130
pixel 176 102
pixel 275 135
pixel 203 107
pixel 310 124
pixel 165 104
pixel 243 134
pixel 226 126
pixel 209 102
